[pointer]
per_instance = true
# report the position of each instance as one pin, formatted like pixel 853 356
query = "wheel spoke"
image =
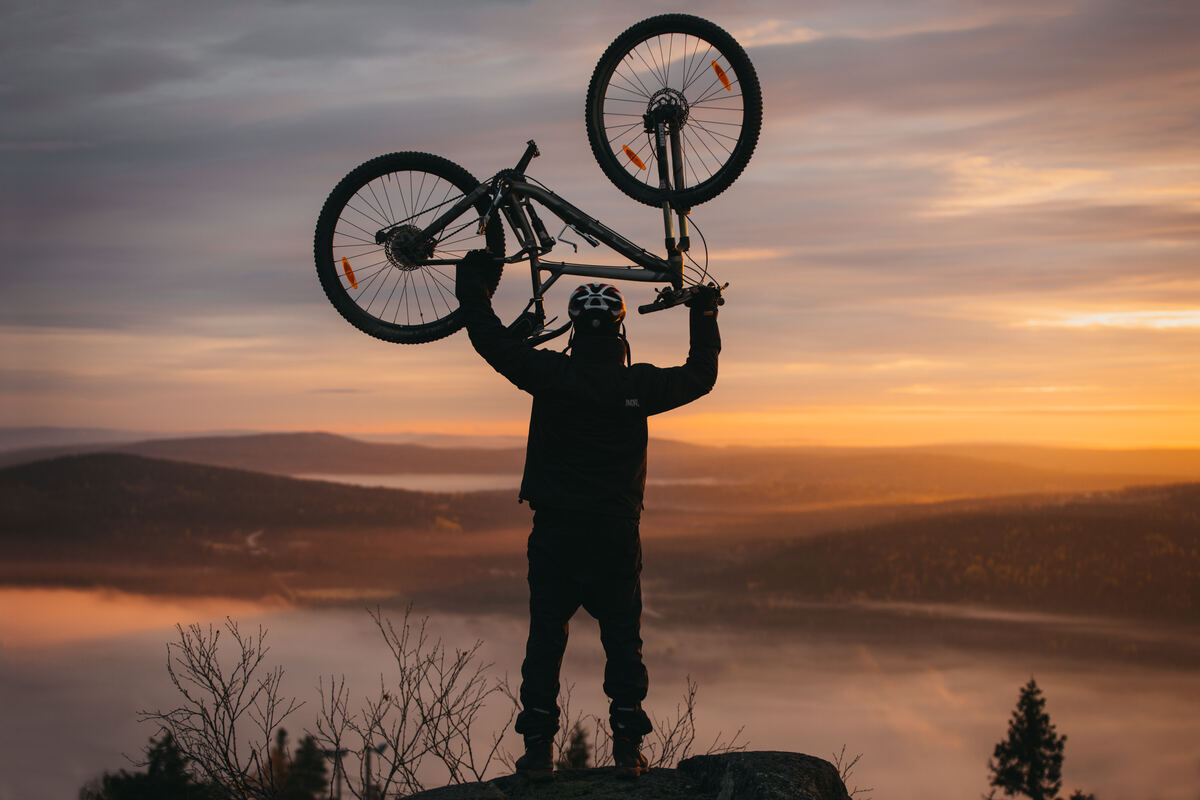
pixel 633 73
pixel 361 242
pixel 699 67
pixel 716 89
pixel 717 135
pixel 651 69
pixel 388 218
pixel 389 298
pixel 359 227
pixel 688 163
pixel 375 217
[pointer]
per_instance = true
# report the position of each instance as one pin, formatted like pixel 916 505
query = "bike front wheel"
pixel 705 78
pixel 377 269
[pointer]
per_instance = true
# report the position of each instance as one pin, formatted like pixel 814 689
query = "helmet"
pixel 596 308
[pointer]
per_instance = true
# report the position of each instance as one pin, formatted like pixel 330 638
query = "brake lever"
pixel 594 242
pixel 668 298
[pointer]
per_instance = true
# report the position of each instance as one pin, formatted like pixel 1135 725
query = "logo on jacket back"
pixel 632 402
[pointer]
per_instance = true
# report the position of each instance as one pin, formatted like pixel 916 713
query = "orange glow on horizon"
pixel 40 617
pixel 891 426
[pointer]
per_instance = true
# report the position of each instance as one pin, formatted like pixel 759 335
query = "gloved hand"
pixel 477 273
pixel 706 298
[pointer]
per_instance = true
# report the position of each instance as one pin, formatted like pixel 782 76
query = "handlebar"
pixel 668 298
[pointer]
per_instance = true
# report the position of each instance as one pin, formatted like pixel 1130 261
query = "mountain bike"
pixel 673 114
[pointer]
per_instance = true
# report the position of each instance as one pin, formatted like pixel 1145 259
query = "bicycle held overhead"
pixel 673 115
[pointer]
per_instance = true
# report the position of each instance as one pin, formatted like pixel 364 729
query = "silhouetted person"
pixel 585 475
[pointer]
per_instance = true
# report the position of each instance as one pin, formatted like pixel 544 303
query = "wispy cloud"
pixel 774 31
pixel 1145 320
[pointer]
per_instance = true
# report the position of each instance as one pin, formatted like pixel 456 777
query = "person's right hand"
pixel 477 273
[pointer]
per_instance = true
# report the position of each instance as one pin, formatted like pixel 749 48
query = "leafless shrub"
pixel 845 769
pixel 425 712
pixel 673 737
pixel 670 742
pixel 229 711
pixel 422 719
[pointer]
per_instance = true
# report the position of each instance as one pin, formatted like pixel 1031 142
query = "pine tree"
pixel 167 775
pixel 578 752
pixel 299 776
pixel 306 778
pixel 1029 761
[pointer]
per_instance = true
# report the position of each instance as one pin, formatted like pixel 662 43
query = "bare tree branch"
pixel 228 712
pixel 846 769
pixel 426 711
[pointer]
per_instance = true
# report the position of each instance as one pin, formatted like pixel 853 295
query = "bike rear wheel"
pixel 375 268
pixel 704 74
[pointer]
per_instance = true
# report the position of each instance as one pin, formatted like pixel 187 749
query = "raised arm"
pixel 527 368
pixel 664 389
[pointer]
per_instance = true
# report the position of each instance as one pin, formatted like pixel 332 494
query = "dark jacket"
pixel 587 429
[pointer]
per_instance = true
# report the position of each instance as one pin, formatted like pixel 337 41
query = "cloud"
pixel 773 32
pixel 1004 64
pixel 1181 319
pixel 982 182
pixel 931 176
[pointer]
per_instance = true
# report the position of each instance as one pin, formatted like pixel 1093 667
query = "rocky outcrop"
pixel 760 775
pixel 765 775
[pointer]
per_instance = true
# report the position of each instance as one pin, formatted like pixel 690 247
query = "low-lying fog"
pixel 75 667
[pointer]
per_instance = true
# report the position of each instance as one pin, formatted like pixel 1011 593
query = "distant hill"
pixel 1129 553
pixel 152 525
pixel 742 476
pixel 44 436
pixel 89 496
pixel 164 527
pixel 298 453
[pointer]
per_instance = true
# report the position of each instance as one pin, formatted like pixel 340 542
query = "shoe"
pixel 537 764
pixel 627 753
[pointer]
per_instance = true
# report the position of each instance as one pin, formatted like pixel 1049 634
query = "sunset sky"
pixel 966 220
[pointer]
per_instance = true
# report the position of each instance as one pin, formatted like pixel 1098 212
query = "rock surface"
pixel 760 775
pixel 766 775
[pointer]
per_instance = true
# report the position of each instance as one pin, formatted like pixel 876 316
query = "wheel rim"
pixel 692 77
pixel 384 268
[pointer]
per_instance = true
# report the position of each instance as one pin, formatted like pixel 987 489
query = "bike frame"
pixel 512 194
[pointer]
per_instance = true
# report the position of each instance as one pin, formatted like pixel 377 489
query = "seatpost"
pixel 531 152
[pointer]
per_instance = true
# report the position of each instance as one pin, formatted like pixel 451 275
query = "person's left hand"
pixel 706 298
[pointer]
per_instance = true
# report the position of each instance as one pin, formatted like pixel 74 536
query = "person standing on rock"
pixel 585 476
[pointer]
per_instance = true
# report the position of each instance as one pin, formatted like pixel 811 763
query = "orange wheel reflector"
pixel 637 162
pixel 349 272
pixel 724 78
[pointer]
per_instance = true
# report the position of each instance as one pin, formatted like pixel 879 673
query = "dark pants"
pixel 592 561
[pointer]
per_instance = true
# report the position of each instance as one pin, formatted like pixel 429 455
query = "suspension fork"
pixel 667 135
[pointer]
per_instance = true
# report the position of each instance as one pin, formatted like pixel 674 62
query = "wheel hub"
pixel 404 249
pixel 667 105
